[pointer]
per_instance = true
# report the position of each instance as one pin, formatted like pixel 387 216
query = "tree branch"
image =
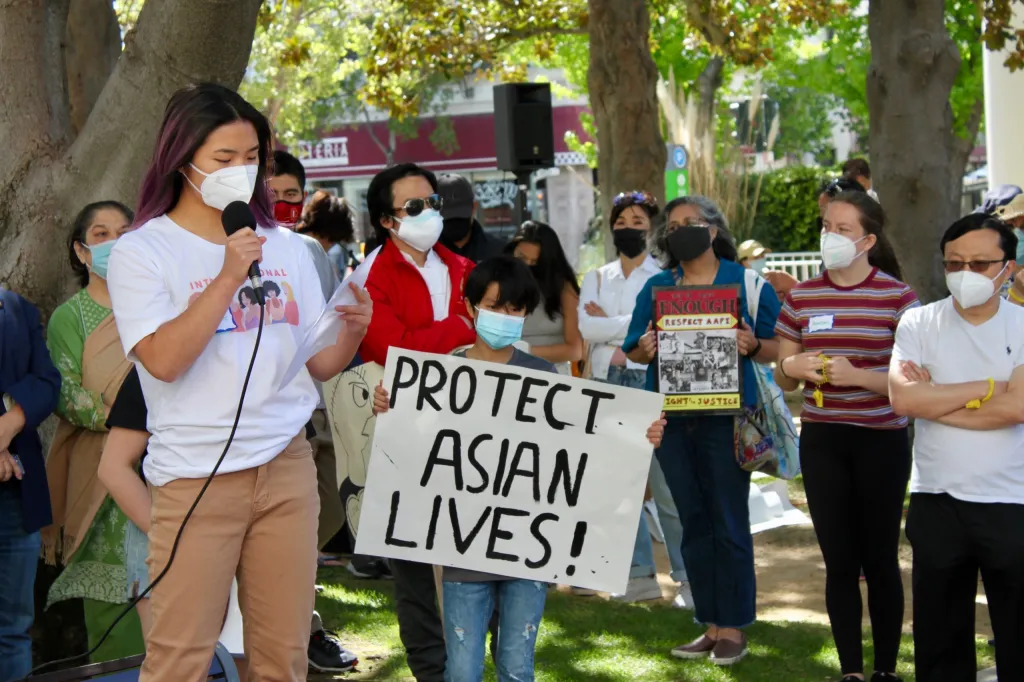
pixel 176 42
pixel 542 32
pixel 33 103
pixel 93 46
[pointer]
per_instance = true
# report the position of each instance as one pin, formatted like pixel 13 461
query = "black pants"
pixel 856 481
pixel 952 541
pixel 419 621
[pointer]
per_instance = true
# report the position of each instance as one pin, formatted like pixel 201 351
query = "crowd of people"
pixel 144 367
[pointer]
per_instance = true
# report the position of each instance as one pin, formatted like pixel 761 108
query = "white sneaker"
pixel 684 596
pixel 640 589
pixel 583 592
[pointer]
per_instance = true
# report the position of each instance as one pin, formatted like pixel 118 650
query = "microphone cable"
pixel 181 529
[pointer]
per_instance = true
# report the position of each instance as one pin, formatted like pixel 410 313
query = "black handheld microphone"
pixel 237 215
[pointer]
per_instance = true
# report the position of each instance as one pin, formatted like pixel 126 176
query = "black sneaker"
pixel 326 655
pixel 369 568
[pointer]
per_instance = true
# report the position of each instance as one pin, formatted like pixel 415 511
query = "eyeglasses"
pixel 633 198
pixel 414 207
pixel 675 226
pixel 979 266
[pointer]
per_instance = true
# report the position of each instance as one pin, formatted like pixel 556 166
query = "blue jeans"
pixel 642 565
pixel 467 611
pixel 19 552
pixel 668 516
pixel 697 455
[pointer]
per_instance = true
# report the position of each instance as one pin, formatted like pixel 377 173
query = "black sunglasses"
pixel 979 266
pixel 414 207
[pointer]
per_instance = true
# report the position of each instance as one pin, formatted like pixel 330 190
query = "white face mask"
pixel 838 251
pixel 422 231
pixel 971 289
pixel 227 185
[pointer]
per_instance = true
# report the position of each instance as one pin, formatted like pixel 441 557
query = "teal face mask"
pixel 757 265
pixel 100 257
pixel 498 331
pixel 1020 246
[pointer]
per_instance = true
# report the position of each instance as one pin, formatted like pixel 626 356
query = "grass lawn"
pixel 593 640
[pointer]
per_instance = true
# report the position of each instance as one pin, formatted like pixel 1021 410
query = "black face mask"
pixel 456 229
pixel 629 241
pixel 687 242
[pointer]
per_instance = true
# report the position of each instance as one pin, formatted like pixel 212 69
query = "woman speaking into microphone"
pixel 181 297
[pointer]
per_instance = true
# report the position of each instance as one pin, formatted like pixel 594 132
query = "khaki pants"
pixel 259 524
pixel 332 513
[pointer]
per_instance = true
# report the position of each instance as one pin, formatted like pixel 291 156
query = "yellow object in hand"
pixel 976 403
pixel 819 397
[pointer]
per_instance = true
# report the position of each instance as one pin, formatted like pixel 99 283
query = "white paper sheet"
pixel 324 332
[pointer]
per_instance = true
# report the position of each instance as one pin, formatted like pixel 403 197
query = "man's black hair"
pixel 982 221
pixel 380 198
pixel 516 286
pixel 286 164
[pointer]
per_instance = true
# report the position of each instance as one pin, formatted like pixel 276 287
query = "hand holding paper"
pixel 329 326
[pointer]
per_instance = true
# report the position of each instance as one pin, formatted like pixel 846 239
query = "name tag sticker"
pixel 821 323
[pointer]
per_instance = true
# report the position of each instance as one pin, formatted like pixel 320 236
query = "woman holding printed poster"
pixel 698 453
pixel 174 284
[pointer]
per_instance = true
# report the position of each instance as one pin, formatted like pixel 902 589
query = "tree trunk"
pixel 93 46
pixel 49 172
pixel 913 148
pixel 708 83
pixel 622 79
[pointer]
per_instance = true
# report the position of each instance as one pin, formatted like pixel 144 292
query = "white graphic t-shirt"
pixel 155 273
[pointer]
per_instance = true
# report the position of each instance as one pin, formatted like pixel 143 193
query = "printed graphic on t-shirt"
pixel 244 313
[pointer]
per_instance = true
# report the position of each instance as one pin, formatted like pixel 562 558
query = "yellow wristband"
pixel 976 403
pixel 1016 297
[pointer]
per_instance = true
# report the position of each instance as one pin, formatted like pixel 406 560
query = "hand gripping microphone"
pixel 237 215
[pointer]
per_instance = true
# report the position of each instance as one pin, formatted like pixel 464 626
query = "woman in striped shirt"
pixel 836 334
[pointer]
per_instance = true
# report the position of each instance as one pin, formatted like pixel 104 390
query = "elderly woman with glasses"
pixel 698 454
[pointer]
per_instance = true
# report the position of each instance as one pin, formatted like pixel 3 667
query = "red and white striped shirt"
pixel 856 322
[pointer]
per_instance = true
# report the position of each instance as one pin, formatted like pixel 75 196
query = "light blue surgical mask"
pixel 497 330
pixel 1020 246
pixel 100 256
pixel 757 265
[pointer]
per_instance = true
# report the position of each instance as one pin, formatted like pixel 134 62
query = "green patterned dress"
pixel 97 572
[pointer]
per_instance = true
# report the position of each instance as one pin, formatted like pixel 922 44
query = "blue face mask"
pixel 1020 246
pixel 100 257
pixel 757 265
pixel 498 331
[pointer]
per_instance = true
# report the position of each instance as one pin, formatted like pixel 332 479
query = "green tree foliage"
pixel 787 209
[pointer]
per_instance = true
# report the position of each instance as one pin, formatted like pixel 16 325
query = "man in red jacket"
pixel 418 304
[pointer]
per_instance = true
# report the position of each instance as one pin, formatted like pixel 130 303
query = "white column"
pixel 1004 107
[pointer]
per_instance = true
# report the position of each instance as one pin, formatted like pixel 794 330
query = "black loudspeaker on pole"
pixel 524 138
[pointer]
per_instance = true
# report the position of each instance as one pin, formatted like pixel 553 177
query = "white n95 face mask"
pixel 971 289
pixel 227 185
pixel 838 251
pixel 422 231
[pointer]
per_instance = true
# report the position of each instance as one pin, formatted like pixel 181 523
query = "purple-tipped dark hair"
pixel 192 114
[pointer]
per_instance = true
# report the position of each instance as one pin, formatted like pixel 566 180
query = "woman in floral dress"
pixel 88 535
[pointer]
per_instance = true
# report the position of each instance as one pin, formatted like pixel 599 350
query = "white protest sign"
pixel 510 471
